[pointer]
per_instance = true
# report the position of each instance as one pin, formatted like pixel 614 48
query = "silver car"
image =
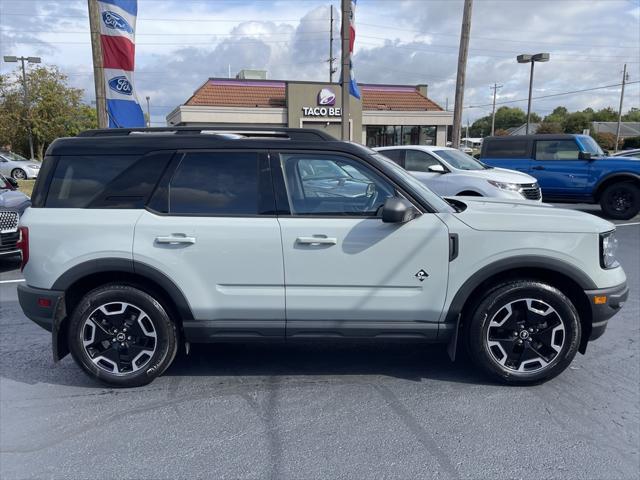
pixel 18 167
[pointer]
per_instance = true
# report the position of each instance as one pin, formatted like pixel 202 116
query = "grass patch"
pixel 26 186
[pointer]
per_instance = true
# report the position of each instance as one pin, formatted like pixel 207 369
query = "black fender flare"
pixel 451 324
pixel 612 176
pixel 106 265
pixel 110 265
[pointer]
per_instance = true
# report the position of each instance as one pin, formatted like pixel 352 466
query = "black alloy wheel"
pixel 621 201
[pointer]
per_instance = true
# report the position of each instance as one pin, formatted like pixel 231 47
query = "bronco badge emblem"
pixel 421 275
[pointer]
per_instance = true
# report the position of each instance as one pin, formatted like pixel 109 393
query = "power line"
pixel 553 95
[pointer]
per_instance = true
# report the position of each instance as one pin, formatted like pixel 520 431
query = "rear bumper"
pixel 41 306
pixel 610 301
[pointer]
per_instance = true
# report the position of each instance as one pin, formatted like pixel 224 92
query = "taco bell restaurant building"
pixel 385 115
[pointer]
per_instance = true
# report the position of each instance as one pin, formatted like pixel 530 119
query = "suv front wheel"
pixel 122 336
pixel 523 332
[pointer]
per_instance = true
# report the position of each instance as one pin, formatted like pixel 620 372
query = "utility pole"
pixel 346 67
pixel 624 81
pixel 493 111
pixel 331 57
pixel 98 66
pixel 462 68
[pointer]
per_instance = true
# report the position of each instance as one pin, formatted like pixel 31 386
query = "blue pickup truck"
pixel 571 168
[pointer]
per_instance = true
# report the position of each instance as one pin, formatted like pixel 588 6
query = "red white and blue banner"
pixel 117 37
pixel 353 86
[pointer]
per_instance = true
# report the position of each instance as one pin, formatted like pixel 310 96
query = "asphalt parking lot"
pixel 322 411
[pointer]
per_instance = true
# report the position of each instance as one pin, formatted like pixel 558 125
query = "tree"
pixel 632 115
pixel 550 127
pixel 576 122
pixel 55 110
pixel 606 140
pixel 506 117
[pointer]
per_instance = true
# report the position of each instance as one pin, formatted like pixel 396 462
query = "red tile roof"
pixel 381 97
pixel 266 94
pixel 240 93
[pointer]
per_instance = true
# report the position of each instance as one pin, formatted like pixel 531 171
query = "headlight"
pixel 37 167
pixel 608 247
pixel 514 187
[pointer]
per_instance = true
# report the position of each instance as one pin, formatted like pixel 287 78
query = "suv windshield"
pixel 589 145
pixel 460 160
pixel 13 156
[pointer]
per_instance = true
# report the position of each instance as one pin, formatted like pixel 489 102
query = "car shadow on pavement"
pixel 408 361
pixel 337 361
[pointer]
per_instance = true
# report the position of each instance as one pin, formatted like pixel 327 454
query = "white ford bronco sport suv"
pixel 140 240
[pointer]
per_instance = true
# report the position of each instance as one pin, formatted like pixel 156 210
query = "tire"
pixel 620 201
pixel 523 332
pixel 468 193
pixel 18 174
pixel 122 336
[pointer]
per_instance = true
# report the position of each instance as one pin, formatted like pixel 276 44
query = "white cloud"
pixel 181 43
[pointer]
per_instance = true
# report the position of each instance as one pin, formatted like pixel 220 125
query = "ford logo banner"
pixel 326 97
pixel 121 85
pixel 114 21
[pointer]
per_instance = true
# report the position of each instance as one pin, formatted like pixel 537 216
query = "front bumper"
pixel 41 306
pixel 605 303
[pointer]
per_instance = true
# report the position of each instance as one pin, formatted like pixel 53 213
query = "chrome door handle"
pixel 176 239
pixel 317 240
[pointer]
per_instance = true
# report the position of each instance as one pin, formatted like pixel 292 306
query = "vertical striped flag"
pixel 353 86
pixel 117 37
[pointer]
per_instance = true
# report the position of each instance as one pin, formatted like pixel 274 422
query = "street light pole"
pixel 25 88
pixel 538 57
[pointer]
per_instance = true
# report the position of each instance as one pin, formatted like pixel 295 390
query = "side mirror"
pixel 437 168
pixel 13 182
pixel 584 156
pixel 398 210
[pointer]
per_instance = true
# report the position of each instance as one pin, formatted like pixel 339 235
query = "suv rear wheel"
pixel 122 336
pixel 524 332
pixel 620 201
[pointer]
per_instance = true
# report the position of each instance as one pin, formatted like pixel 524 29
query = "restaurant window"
pixel 391 135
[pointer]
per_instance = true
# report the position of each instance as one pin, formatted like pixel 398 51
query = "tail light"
pixel 23 245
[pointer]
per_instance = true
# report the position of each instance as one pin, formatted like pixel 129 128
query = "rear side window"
pixel 78 180
pixel 395 155
pixel 511 148
pixel 216 183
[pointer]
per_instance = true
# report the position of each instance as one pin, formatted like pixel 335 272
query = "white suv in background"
pixel 450 172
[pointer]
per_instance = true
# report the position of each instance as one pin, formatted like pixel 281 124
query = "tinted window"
pixel 516 148
pixel 78 180
pixel 395 155
pixel 556 150
pixel 332 185
pixel 215 183
pixel 417 161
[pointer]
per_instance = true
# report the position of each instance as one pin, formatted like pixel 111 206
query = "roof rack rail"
pixel 303 134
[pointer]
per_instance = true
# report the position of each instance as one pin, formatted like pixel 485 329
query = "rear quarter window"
pixel 105 181
pixel 511 148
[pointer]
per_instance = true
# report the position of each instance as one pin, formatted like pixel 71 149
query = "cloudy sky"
pixel 180 43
